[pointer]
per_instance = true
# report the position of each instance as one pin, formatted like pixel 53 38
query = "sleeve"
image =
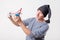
pixel 27 21
pixel 39 32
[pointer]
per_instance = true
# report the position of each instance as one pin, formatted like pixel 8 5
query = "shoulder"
pixel 29 19
pixel 46 25
pixel 33 18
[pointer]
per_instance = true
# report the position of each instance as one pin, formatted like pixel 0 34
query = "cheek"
pixel 41 16
pixel 37 15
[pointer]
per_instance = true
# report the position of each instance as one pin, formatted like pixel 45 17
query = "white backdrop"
pixel 9 31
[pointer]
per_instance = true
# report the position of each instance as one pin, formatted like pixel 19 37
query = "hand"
pixel 18 20
pixel 13 21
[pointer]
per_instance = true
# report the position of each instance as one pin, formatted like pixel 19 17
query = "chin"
pixel 39 18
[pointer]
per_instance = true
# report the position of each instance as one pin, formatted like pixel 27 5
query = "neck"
pixel 40 20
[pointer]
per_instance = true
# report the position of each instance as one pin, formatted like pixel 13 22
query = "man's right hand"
pixel 10 17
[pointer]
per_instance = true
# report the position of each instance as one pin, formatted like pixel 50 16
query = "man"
pixel 37 26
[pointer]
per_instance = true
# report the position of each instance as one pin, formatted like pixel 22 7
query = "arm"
pixel 38 33
pixel 26 30
pixel 25 23
pixel 20 23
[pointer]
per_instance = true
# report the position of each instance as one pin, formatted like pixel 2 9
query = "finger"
pixel 18 19
pixel 10 15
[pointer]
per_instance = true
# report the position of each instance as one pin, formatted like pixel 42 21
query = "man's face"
pixel 39 15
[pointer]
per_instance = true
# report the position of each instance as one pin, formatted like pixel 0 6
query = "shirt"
pixel 38 29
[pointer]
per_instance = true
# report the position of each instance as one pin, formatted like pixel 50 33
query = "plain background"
pixel 9 31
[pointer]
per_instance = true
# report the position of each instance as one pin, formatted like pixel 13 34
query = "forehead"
pixel 39 11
